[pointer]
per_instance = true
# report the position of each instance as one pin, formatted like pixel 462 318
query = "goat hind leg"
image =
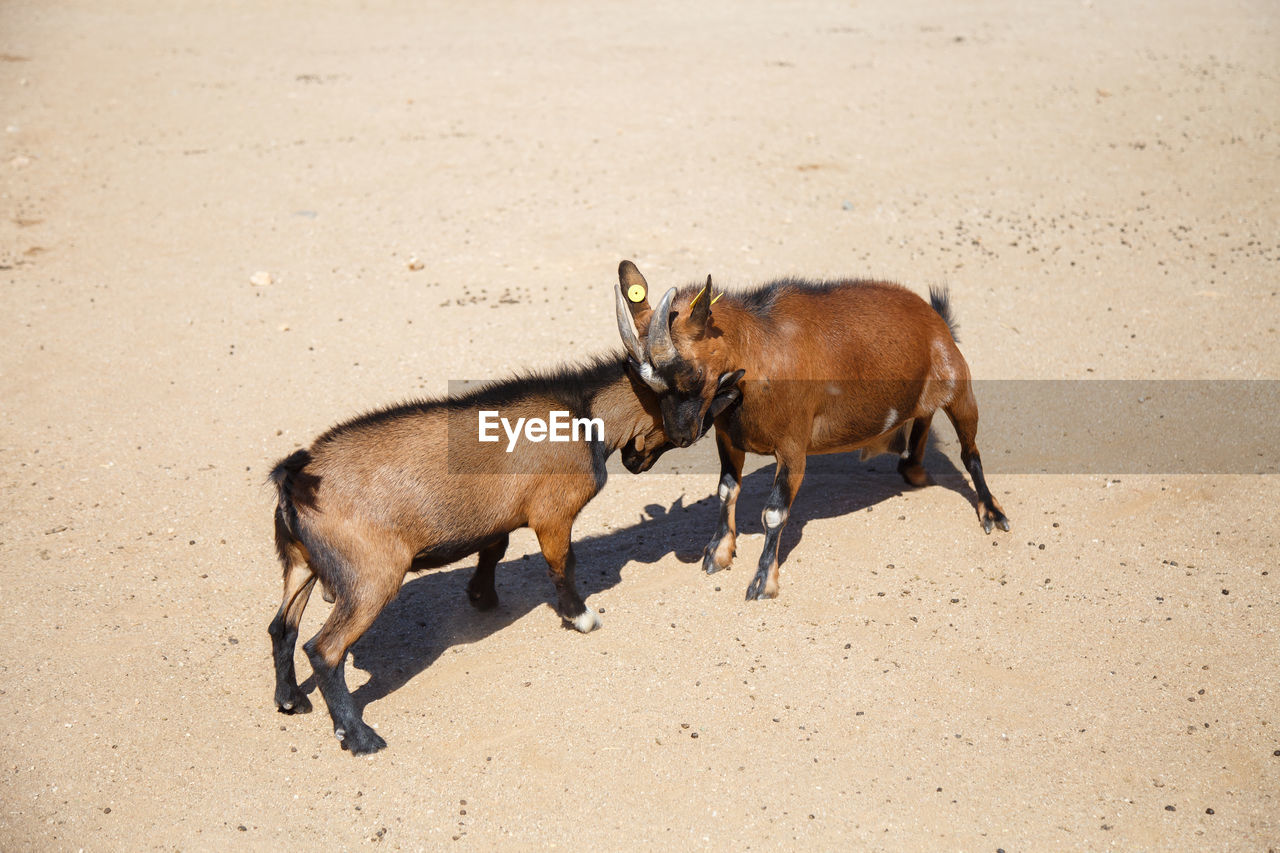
pixel 963 412
pixel 298 582
pixel 354 612
pixel 911 466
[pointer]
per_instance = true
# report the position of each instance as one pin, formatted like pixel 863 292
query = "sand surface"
pixel 1097 182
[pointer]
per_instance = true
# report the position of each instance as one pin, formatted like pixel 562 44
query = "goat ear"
pixel 700 313
pixel 636 290
pixel 730 379
pixel 726 393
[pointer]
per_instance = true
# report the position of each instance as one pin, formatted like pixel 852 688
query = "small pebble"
pixel 1208 811
pixel 415 264
pixel 1170 809
pixel 1226 592
pixel 261 278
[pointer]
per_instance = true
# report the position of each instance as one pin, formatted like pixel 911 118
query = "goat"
pixel 824 367
pixel 413 487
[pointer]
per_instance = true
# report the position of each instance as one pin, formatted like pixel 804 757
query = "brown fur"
pixel 827 367
pixel 412 488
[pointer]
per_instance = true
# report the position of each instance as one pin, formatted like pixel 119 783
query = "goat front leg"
pixel 719 552
pixel 786 482
pixel 558 552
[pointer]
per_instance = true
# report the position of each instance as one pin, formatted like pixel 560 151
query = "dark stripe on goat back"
pixel 762 299
pixel 569 387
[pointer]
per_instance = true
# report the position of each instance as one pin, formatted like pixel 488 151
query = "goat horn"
pixel 624 328
pixel 661 350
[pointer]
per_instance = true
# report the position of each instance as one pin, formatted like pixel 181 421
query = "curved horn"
pixel 661 350
pixel 624 328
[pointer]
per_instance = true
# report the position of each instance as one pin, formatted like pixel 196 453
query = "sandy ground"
pixel 1097 183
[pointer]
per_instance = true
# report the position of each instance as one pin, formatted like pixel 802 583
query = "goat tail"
pixel 285 478
pixel 940 299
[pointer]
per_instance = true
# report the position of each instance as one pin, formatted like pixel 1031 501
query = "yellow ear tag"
pixel 636 293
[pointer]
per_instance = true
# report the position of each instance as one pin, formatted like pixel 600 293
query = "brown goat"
pixel 825 367
pixel 413 487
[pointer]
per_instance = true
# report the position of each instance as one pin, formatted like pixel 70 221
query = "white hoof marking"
pixel 587 621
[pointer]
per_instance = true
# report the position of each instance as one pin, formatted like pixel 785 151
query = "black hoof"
pixel 914 475
pixel 709 561
pixel 994 518
pixel 755 590
pixel 482 600
pixel 295 704
pixel 360 740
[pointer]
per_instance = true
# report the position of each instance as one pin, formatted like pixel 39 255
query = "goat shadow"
pixel 431 613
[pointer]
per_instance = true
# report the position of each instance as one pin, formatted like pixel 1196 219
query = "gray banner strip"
pixel 1034 426
pixel 1129 426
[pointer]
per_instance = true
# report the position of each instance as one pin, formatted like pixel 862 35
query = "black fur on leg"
pixel 354 734
pixel 765 583
pixel 989 513
pixel 289 697
pixel 480 590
